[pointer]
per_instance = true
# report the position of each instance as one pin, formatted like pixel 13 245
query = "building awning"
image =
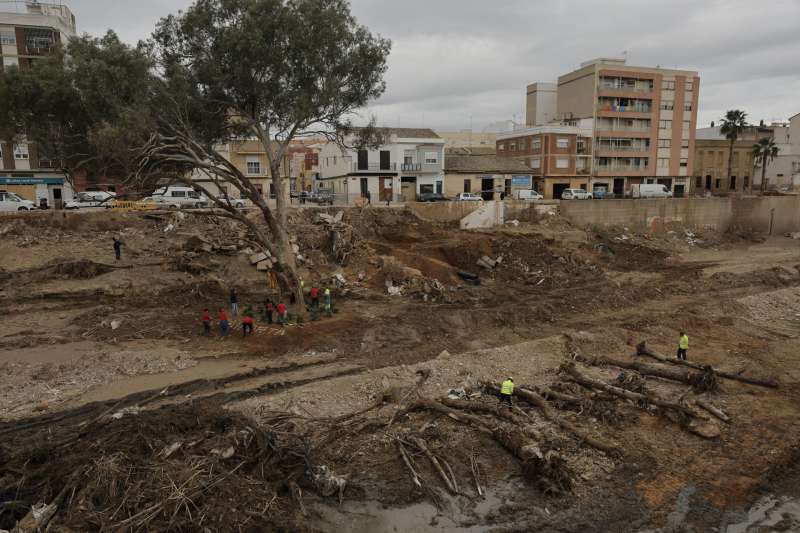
pixel 30 180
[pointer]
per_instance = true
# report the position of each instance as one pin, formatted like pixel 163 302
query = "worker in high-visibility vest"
pixel 506 391
pixel 328 308
pixel 683 346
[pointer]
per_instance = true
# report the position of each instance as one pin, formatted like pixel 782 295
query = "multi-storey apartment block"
pixel 32 31
pixel 642 121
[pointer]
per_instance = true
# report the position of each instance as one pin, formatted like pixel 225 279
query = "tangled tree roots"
pixel 550 473
pixel 632 381
pixel 705 381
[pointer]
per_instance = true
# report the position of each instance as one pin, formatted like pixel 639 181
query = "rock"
pixel 264 265
pixel 486 262
pixel 795 235
pixel 44 405
pixel 324 217
pixel 394 290
pixel 338 217
pixel 257 258
pixel 115 324
pixel 295 248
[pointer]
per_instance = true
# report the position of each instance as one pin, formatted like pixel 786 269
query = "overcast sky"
pixel 456 62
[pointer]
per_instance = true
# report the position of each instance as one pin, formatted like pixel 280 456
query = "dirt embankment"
pixel 358 401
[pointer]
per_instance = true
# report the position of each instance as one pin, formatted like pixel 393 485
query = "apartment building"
pixel 29 30
pixel 541 103
pixel 409 162
pixel 783 172
pixel 642 120
pixel 467 139
pixel 559 156
pixel 250 158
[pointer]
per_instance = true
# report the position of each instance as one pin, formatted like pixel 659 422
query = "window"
pixel 21 151
pixel 7 37
pixel 718 183
pixel 665 143
pixel 667 105
pixel 408 157
pixel 562 162
pixel 253 166
pixel 178 194
pixel 684 162
pixel 746 181
pixel 536 144
pixel 501 146
pixel 535 163
pixel 669 85
pixel 665 124
pixel 687 123
pixel 467 185
pixel 562 142
pixel 698 182
pixel 431 158
pixel 512 146
pixel 687 107
pixel 663 162
pixel 685 143
pixel 688 86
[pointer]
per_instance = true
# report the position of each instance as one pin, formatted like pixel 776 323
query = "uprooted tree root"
pixel 181 468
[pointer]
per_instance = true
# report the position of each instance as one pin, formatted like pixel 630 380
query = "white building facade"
pixel 410 162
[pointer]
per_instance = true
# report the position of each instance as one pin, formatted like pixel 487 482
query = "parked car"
pixel 650 190
pixel 432 197
pixel 323 196
pixel 576 194
pixel 175 197
pixel 11 202
pixel 468 197
pixel 600 193
pixel 92 200
pixel 529 195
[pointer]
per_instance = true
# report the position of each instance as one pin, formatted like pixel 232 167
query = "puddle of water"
pixel 458 515
pixel 769 514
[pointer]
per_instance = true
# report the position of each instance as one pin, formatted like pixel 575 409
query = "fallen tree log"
pixel 701 381
pixel 642 349
pixel 547 470
pixel 688 418
pixel 716 411
pixel 535 399
pixel 495 410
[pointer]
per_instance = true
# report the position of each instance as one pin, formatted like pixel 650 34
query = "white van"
pixel 650 190
pixel 528 194
pixel 176 197
pixel 11 202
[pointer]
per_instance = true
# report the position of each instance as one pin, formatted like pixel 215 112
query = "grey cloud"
pixel 453 59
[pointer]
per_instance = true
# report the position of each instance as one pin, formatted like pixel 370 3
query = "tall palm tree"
pixel 764 151
pixel 732 125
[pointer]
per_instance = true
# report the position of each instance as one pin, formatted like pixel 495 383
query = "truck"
pixel 650 190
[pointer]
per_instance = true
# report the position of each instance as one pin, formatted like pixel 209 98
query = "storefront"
pixel 51 190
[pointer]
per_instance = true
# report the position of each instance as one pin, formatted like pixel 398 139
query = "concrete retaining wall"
pixel 719 213
pixel 488 215
pixel 442 211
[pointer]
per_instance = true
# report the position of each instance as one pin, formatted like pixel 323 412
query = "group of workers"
pixel 271 312
pixel 507 387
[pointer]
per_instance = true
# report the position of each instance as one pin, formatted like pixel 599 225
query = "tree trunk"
pixel 689 378
pixel 763 172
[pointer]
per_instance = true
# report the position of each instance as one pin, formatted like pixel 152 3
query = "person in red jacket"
pixel 247 325
pixel 206 323
pixel 314 293
pixel 281 313
pixel 223 322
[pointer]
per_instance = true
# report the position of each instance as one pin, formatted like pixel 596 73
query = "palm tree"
pixel 732 125
pixel 764 151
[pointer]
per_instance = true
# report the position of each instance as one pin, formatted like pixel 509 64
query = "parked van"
pixel 650 190
pixel 176 197
pixel 528 194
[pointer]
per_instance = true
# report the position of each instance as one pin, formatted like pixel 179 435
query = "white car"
pixel 468 197
pixel 576 194
pixel 11 202
pixel 91 200
pixel 529 195
pixel 175 197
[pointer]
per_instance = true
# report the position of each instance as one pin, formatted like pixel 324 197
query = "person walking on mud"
pixel 234 303
pixel 281 313
pixel 247 322
pixel 118 248
pixel 223 322
pixel 206 323
pixel 328 303
pixel 683 346
pixel 269 309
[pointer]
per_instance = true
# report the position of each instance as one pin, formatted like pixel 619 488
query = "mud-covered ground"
pixel 83 337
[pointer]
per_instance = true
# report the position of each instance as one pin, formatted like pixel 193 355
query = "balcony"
pixel 411 167
pixel 375 167
pixel 622 108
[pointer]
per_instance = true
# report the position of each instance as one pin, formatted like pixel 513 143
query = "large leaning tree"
pixel 269 70
pixel 83 106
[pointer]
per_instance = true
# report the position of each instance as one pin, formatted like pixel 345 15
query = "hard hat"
pixel 510 379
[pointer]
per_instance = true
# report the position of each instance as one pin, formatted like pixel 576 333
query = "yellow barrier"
pixel 130 205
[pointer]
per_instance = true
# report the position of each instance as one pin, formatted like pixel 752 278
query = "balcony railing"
pixel 617 87
pixel 411 167
pixel 626 108
pixel 618 168
pixel 623 148
pixel 374 167
pixel 616 126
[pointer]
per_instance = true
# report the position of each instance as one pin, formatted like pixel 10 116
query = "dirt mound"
pixel 82 269
pixel 178 468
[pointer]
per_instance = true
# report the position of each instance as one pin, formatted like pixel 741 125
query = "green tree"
pixel 270 70
pixel 85 108
pixel 732 125
pixel 764 151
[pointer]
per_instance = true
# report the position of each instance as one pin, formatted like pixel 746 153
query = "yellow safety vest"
pixel 684 343
pixel 507 387
pixel 327 292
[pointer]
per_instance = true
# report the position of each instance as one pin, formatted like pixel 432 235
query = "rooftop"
pixel 420 133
